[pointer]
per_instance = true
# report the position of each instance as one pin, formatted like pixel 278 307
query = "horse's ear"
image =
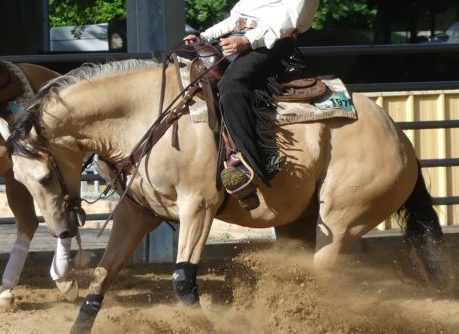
pixel 4 129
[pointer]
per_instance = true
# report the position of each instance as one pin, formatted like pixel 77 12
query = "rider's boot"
pixel 237 178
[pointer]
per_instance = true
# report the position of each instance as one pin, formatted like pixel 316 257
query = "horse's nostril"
pixel 64 235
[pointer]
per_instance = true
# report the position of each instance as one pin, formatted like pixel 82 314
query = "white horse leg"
pixel 196 218
pixel 60 268
pixel 16 261
pixel 130 225
pixel 14 268
pixel 21 204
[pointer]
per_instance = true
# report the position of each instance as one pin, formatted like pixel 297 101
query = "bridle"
pixel 130 165
pixel 71 203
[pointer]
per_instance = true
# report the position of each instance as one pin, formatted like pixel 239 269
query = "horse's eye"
pixel 45 179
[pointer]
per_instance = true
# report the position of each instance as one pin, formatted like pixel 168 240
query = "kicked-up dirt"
pixel 261 290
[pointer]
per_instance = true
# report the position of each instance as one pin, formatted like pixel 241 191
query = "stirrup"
pixel 238 182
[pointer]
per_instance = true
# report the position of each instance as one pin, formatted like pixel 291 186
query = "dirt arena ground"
pixel 261 290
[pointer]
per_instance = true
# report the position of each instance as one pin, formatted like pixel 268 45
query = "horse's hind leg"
pixel 130 225
pixel 302 230
pixel 21 203
pixel 346 216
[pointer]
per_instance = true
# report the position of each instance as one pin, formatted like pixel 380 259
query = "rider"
pixel 257 37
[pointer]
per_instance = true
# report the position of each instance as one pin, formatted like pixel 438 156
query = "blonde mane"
pixel 32 117
pixel 85 72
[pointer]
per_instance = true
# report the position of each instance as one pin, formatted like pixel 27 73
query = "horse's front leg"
pixel 196 216
pixel 130 225
pixel 21 203
pixel 60 269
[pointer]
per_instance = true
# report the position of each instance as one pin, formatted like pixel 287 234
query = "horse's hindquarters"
pixel 372 171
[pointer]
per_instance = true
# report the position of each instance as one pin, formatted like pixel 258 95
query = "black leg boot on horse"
pixel 184 282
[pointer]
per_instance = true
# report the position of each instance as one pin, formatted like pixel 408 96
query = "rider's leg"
pixel 245 74
pixel 236 90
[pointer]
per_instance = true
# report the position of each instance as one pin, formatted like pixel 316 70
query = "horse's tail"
pixel 423 237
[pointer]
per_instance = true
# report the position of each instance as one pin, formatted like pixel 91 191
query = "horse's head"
pixel 67 119
pixel 50 173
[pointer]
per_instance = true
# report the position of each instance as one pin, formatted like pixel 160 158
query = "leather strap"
pixel 156 131
pixel 175 141
pixel 177 71
pixel 163 86
pixel 208 89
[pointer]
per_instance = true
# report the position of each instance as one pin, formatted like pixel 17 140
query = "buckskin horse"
pixel 19 199
pixel 348 175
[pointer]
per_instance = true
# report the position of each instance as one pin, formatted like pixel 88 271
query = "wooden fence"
pixel 436 144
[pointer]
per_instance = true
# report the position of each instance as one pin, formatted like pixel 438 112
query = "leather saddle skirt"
pixel 297 88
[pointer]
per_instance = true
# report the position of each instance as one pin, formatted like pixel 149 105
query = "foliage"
pixel 83 12
pixel 201 14
pixel 346 12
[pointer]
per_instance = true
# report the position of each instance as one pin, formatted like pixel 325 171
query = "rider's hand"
pixel 190 39
pixel 234 44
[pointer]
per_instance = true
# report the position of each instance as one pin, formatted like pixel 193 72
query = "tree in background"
pixel 347 13
pixel 83 12
pixel 201 14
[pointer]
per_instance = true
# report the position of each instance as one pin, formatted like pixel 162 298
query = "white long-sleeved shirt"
pixel 275 19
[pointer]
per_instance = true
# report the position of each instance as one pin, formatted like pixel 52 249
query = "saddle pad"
pixel 19 103
pixel 337 103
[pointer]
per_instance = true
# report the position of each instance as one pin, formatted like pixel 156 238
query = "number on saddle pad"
pixel 337 100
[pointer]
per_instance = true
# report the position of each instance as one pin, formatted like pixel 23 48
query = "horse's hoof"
pixel 6 301
pixel 69 289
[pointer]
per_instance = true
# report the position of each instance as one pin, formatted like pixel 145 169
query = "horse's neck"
pixel 108 115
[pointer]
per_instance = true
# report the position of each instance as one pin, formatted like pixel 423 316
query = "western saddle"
pixel 293 86
pixel 207 68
